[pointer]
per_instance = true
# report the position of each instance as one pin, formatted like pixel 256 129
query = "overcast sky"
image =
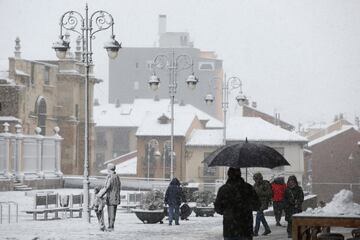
pixel 299 58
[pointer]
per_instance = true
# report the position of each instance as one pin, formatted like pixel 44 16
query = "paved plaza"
pixel 127 225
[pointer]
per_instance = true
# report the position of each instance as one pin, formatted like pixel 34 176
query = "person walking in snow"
pixel 264 192
pixel 278 189
pixel 236 200
pixel 173 198
pixel 112 191
pixel 293 199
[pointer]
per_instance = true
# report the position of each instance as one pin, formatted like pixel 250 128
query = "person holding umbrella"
pixel 263 190
pixel 236 200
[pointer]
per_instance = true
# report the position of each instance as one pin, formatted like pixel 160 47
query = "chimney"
pixel 162 24
pixel 17 48
pixel 254 104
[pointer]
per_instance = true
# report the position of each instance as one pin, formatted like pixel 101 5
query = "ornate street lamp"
pixel 229 84
pixel 86 27
pixel 172 64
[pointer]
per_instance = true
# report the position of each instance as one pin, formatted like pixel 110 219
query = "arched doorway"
pixel 40 109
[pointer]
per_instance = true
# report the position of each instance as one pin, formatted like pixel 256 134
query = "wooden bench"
pixel 46 203
pixel 76 204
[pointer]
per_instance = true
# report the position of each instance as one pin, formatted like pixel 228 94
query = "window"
pixel 100 159
pixel 0 106
pixel 136 85
pixel 100 139
pixel 47 75
pixel 41 113
pixel 206 66
pixel 77 111
pixel 208 171
pixel 149 64
pixel 136 65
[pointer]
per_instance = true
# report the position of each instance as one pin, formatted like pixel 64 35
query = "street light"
pixel 152 144
pixel 229 84
pixel 84 27
pixel 173 65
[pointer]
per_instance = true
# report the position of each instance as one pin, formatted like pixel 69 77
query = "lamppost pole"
pixel 69 21
pixel 173 65
pixel 229 85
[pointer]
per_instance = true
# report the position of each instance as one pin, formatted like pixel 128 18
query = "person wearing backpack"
pixel 236 200
pixel 264 192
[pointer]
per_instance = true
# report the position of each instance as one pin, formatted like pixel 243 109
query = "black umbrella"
pixel 245 155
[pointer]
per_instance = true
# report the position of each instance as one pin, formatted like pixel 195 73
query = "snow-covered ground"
pixel 127 225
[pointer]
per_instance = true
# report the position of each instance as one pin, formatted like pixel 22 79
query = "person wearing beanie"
pixel 112 191
pixel 236 200
pixel 264 192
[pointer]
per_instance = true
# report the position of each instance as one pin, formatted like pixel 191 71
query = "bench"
pixel 46 203
pixel 76 204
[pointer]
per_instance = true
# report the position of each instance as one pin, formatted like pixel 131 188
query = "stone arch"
pixel 40 110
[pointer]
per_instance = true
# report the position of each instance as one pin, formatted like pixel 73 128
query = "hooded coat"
pixel 235 201
pixel 263 190
pixel 174 195
pixel 278 189
pixel 293 198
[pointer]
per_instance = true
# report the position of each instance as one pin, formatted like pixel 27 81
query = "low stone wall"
pixel 45 183
pixel 309 202
pixel 6 185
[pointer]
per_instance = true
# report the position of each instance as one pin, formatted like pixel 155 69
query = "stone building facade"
pixel 46 94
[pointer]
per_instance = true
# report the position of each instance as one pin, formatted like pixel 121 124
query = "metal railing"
pixel 9 204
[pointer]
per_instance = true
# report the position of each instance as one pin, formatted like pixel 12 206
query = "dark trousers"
pixel 111 215
pixel 260 218
pixel 278 210
pixel 174 214
pixel 100 217
pixel 289 227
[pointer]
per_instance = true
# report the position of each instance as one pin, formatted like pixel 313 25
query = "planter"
pixel 149 216
pixel 204 211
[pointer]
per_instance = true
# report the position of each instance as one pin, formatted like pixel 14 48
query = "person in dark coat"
pixel 293 199
pixel 236 200
pixel 264 192
pixel 278 189
pixel 173 198
pixel 112 191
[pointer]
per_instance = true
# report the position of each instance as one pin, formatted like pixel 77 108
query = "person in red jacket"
pixel 278 189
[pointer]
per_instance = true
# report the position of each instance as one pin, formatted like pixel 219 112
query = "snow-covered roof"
pixel 330 135
pixel 206 137
pixel 151 125
pixel 109 115
pixel 132 115
pixel 22 73
pixel 257 129
pixel 127 167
